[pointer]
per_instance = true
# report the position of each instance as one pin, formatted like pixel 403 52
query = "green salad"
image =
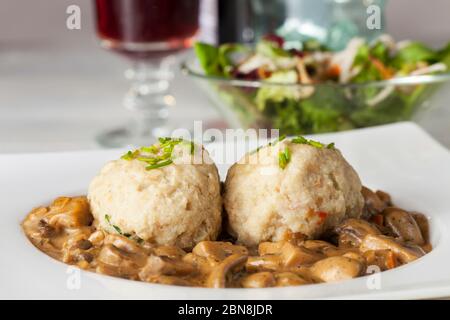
pixel 335 91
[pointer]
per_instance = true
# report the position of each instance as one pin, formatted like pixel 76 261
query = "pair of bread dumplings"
pixel 160 195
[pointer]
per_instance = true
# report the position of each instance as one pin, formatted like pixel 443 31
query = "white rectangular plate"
pixel 400 159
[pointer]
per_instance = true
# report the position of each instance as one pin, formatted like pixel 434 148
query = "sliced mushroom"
pixel 269 262
pixel 65 232
pixel 378 242
pixel 110 254
pixel 125 244
pixel 35 226
pixel 46 230
pixel 200 263
pixel 97 238
pixel 218 251
pixel 69 213
pixel 372 203
pixel 384 197
pixel 355 256
pixel 294 237
pixel 37 214
pixel 294 256
pixel 285 279
pixel 282 255
pixel 74 245
pixel 337 268
pixel 319 245
pixel 403 225
pixel 265 248
pixel 122 256
pixel 422 222
pixel 113 261
pixel 326 248
pixel 352 231
pixel 165 266
pixel 218 276
pixel 169 251
pixel 259 280
pixel 384 259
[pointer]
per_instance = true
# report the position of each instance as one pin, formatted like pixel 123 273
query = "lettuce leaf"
pixel 326 110
pixel 381 52
pixel 444 55
pixel 208 56
pixel 278 93
pixel 392 109
pixel 228 56
pixel 270 49
pixel 413 53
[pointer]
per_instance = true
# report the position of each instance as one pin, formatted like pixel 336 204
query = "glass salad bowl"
pixel 318 108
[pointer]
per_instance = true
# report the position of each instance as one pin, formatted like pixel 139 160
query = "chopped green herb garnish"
pixel 159 154
pixel 284 157
pixel 313 143
pixel 118 230
pixel 129 155
pixel 147 160
pixel 287 154
pixel 150 149
pixel 316 144
pixel 280 138
pixel 300 140
pixel 159 165
pixel 163 140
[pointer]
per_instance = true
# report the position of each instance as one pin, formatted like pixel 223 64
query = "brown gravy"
pixel 385 237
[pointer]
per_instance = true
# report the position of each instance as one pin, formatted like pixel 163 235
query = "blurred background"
pixel 59 89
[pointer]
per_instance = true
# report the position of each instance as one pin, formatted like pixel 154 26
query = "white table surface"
pixel 60 100
pixel 58 89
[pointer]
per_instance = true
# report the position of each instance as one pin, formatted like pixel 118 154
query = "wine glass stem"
pixel 149 98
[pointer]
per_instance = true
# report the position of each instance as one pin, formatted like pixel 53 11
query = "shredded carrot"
pixel 334 71
pixel 390 260
pixel 263 73
pixel 385 72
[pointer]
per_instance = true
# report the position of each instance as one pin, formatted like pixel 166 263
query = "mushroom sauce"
pixel 385 237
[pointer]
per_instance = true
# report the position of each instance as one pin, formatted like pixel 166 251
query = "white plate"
pixel 400 158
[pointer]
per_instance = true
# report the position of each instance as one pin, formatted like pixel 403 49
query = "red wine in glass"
pixel 146 31
pixel 145 28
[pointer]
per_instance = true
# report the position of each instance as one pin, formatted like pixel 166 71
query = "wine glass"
pixel 148 33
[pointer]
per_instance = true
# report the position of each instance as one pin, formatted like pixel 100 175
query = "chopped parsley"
pixel 159 154
pixel 159 164
pixel 284 157
pixel 313 143
pixel 130 155
pixel 119 231
pixel 297 140
pixel 280 138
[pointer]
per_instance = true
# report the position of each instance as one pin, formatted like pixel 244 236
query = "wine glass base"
pixel 122 137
